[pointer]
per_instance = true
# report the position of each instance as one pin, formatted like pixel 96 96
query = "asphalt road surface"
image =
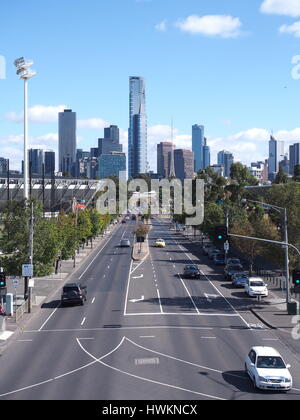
pixel 145 333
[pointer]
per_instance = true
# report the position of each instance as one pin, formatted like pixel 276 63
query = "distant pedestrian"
pixel 2 310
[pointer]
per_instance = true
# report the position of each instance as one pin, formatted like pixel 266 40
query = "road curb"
pixel 254 312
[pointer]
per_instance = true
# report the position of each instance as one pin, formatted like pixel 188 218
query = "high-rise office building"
pixel 206 155
pixel 164 150
pixel 294 157
pixel 112 132
pixel 49 161
pixel 137 133
pixel 3 165
pixel 197 146
pixel 67 141
pixel 184 164
pixel 36 160
pixel 226 159
pixel 276 155
pixel 111 164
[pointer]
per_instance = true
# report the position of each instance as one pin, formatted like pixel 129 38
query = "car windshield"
pixel 70 289
pixel 257 284
pixel 266 362
pixel 236 268
pixel 191 267
pixel 241 278
pixel 235 262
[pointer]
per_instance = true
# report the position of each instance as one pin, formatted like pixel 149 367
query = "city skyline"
pixel 259 103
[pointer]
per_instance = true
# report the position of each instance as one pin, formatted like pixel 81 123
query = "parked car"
pixel 191 271
pixel 212 253
pixel 73 293
pixel 125 243
pixel 255 286
pixel 267 369
pixel 206 247
pixel 230 270
pixel 239 280
pixel 160 243
pixel 124 221
pixel 219 259
pixel 233 261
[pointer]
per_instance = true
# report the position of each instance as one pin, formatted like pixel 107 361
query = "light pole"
pixel 281 210
pixel 25 73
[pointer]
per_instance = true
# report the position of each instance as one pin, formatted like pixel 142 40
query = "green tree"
pixel 281 177
pixel 84 226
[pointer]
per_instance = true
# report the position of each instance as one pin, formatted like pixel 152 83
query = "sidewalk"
pixel 140 251
pixel 44 286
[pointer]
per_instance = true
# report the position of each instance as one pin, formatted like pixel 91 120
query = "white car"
pixel 267 369
pixel 255 286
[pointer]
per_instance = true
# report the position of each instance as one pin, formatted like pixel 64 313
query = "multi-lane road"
pixel 145 333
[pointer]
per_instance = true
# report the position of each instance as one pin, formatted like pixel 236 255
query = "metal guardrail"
pixel 21 310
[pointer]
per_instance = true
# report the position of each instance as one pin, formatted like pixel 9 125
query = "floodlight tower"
pixel 25 73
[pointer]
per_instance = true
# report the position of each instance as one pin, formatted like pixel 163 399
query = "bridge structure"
pixel 55 193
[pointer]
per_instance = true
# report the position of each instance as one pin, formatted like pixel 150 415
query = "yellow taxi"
pixel 160 243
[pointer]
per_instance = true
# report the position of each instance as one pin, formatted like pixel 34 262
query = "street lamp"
pixel 25 73
pixel 280 210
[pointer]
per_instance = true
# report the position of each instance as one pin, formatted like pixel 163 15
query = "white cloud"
pixel 281 7
pixel 223 26
pixel 38 114
pixel 162 26
pixel 293 29
pixel 92 124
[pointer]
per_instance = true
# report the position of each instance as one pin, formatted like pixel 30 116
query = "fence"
pixel 21 310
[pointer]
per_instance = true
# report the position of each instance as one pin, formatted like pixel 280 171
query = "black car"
pixel 230 270
pixel 73 293
pixel 219 259
pixel 191 272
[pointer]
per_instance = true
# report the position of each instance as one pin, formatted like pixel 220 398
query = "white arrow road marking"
pixel 210 297
pixel 139 277
pixel 137 300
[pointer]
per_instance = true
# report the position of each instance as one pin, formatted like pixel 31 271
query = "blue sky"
pixel 226 64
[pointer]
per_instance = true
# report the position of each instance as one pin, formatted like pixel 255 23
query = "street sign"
pixel 15 283
pixel 27 270
pixel 226 246
pixel 31 283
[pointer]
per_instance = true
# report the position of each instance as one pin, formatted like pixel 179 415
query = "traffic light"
pixel 221 234
pixel 2 280
pixel 296 279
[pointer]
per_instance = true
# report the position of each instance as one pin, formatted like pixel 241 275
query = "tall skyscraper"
pixel 137 133
pixel 112 133
pixel 67 141
pixel 36 160
pixel 225 159
pixel 294 157
pixel 206 154
pixel 163 159
pixel 197 146
pixel 184 164
pixel 49 161
pixel 276 155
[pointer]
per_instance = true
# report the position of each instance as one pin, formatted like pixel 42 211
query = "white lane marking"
pixel 160 305
pixel 108 267
pixel 146 379
pixel 138 277
pixel 97 255
pixel 127 290
pixel 50 316
pixel 87 338
pixel 93 300
pixel 83 321
pixel 208 297
pixel 182 314
pixel 187 290
pixel 232 307
pixel 137 300
pixel 270 339
pixel 24 341
pixel 209 338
